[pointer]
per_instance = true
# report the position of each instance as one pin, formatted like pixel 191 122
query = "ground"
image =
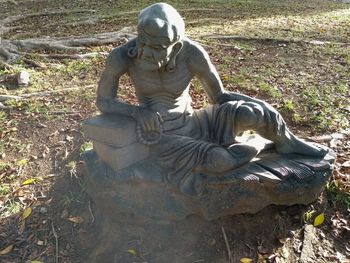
pixel 293 54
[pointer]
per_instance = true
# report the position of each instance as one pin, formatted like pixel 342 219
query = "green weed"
pixel 71 198
pixel 86 146
pixel 4 190
pixel 270 90
pixel 289 105
pixel 13 207
pixel 74 67
pixel 72 166
pixel 338 194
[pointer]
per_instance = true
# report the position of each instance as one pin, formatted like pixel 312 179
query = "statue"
pixel 164 141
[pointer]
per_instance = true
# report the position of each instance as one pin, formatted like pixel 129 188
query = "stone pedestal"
pixel 124 182
pixel 114 140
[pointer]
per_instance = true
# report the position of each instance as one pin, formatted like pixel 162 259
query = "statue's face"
pixel 154 52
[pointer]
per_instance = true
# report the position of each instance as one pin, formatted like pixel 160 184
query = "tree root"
pixel 275 40
pixel 10 50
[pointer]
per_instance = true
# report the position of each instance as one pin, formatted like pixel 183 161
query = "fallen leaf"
pixel 132 252
pixel 26 212
pixel 76 219
pixel 346 164
pixel 319 219
pixel 245 260
pixel 29 181
pixel 22 162
pixel 6 250
pixel 36 261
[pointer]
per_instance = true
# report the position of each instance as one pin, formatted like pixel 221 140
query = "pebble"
pixel 40 243
pixel 43 210
pixel 23 78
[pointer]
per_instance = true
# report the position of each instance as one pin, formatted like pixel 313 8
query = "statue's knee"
pixel 248 115
pixel 218 160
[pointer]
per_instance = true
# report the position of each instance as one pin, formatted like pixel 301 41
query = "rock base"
pixel 144 194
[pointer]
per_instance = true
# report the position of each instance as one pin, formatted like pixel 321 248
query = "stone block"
pixel 121 157
pixel 113 130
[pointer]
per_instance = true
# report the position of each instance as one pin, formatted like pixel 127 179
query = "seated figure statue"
pixel 161 62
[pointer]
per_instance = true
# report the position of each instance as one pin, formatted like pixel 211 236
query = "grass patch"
pixel 327 106
pixel 339 193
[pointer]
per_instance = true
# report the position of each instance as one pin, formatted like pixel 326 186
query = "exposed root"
pixel 275 40
pixel 73 43
pixel 10 50
pixel 4 65
pixel 77 43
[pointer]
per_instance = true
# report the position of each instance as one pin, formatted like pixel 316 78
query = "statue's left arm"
pixel 205 71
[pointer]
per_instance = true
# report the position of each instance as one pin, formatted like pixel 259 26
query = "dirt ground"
pixel 293 54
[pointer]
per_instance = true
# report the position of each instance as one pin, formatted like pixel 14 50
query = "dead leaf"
pixel 319 219
pixel 245 260
pixel 76 219
pixel 132 252
pixel 29 181
pixel 26 212
pixel 346 164
pixel 6 250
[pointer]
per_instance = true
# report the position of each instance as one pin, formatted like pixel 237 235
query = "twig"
pixel 92 214
pixel 227 245
pixel 56 242
pixel 9 97
pixel 5 65
pixel 69 56
pixel 42 93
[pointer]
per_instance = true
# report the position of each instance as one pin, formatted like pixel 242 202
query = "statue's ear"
pixel 176 50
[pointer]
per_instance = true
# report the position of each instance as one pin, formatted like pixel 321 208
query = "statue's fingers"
pixel 146 126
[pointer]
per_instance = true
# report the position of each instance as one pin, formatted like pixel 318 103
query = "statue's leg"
pixel 250 116
pixel 219 160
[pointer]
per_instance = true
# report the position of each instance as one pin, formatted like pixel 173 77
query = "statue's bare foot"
pixel 299 146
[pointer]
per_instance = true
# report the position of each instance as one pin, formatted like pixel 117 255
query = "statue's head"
pixel 160 32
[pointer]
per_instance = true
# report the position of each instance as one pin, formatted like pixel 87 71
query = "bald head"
pixel 161 21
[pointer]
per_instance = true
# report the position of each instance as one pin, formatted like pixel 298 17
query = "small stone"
pixel 43 210
pixel 40 243
pixel 23 78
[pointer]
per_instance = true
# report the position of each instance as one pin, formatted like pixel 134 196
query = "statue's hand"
pixel 148 126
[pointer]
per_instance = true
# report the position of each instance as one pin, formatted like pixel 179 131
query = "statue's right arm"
pixel 107 100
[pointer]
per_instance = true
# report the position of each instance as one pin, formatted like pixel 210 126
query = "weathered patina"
pixel 162 159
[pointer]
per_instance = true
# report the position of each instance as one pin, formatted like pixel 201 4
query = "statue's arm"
pixel 205 71
pixel 107 100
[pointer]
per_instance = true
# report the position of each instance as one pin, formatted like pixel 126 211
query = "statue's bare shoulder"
pixel 118 61
pixel 197 58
